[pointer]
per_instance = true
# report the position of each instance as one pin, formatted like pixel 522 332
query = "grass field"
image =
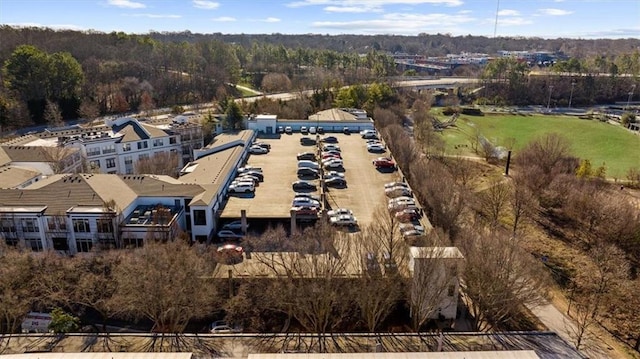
pixel 597 141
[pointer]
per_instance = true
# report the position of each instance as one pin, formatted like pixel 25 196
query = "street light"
pixel 633 87
pixel 573 85
pixel 549 100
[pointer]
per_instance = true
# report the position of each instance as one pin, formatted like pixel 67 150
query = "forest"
pixel 49 76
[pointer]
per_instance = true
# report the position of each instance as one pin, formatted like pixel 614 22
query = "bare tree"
pixel 17 278
pixel 499 278
pixel 493 201
pixel 276 82
pixel 522 203
pixel 162 163
pixel 162 283
pixel 89 110
pixel 146 103
pixel 52 114
pixel 595 285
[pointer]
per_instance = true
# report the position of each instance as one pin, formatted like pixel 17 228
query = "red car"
pixel 407 215
pixel 229 253
pixel 384 162
pixel 305 211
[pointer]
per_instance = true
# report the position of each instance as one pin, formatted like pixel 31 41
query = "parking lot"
pixel 272 198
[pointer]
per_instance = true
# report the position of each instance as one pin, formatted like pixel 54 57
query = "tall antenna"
pixel 495 27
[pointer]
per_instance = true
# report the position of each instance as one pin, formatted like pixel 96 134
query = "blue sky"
pixel 540 18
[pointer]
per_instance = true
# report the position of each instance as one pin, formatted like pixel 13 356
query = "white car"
pixel 331 147
pixel 399 191
pixel 396 184
pixel 408 227
pixel 305 202
pixel 333 174
pixel 312 130
pixel 333 164
pixel 306 195
pixel 257 150
pixel 241 187
pixel 376 147
pixel 304 130
pixel 343 220
pixel 339 211
pixel 249 168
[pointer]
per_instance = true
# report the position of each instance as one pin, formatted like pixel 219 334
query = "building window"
pixel 13 242
pixel 105 226
pixel 108 149
pixel 143 156
pixel 95 151
pixel 84 244
pixel 128 160
pixel 7 225
pixel 199 217
pixel 158 142
pixel 142 145
pixel 94 164
pixel 132 242
pixel 172 140
pixel 60 243
pixel 111 162
pixel 35 244
pixel 81 226
pixel 30 225
pixel 55 223
pixel 126 147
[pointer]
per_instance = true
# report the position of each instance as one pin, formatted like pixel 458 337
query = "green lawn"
pixel 599 142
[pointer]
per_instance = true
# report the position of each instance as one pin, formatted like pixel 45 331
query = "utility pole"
pixel 573 84
pixel 549 100
pixel 633 87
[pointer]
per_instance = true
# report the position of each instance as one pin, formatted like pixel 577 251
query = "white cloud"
pixel 271 19
pixel 351 9
pixel 554 12
pixel 400 23
pixel 224 19
pixel 372 5
pixel 51 26
pixel 155 16
pixel 507 12
pixel 207 5
pixel 126 4
pixel 514 21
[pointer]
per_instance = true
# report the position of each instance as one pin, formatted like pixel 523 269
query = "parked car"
pixel 397 192
pixel 334 174
pixel 400 205
pixel 229 254
pixel 263 145
pixel 376 148
pixel 288 130
pixel 320 130
pixel 309 164
pixel 305 202
pixel 304 130
pixel 249 168
pixel 336 182
pixel 312 130
pixel 257 150
pixel 307 141
pixel 346 130
pixel 407 215
pixel 396 184
pixel 327 156
pixel 305 211
pixel 241 187
pixel 308 172
pixel 257 174
pixel 370 135
pixel 303 185
pixel 384 162
pixel 406 227
pixel 331 147
pixel 332 152
pixel 248 178
pixel 229 234
pixel 343 220
pixel 368 142
pixel 339 211
pixel 234 225
pixel 333 163
pixel 307 195
pixel 309 156
pixel 221 327
pixel 329 139
pixel 280 129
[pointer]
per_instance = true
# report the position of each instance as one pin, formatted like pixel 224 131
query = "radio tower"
pixel 495 26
